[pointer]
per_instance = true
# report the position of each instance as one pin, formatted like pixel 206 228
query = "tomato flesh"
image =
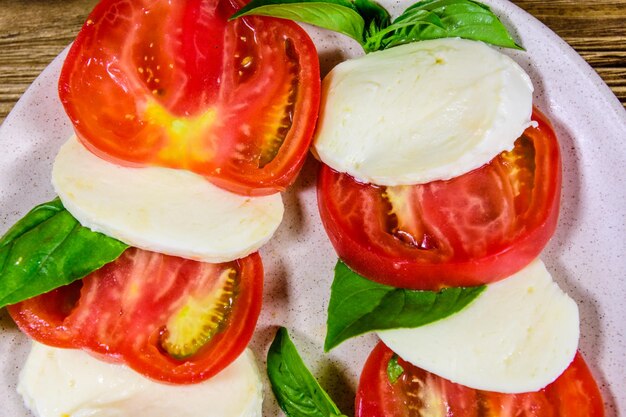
pixel 418 393
pixel 176 84
pixel 474 229
pixel 130 310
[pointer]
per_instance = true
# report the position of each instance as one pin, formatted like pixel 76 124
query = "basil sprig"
pixel 374 15
pixel 433 19
pixel 47 249
pixel 370 25
pixel 296 390
pixel 358 305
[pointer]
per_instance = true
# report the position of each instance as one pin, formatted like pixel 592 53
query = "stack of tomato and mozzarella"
pixel 188 127
pixel 438 173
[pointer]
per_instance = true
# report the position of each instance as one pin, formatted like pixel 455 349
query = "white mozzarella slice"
pixel 68 382
pixel 424 111
pixel 163 210
pixel 518 336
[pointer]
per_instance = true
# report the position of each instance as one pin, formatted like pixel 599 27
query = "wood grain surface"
pixel 33 32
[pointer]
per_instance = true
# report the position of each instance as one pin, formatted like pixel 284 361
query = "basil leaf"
pixel 375 16
pixel 358 305
pixel 337 15
pixel 432 19
pixel 394 369
pixel 47 249
pixel 297 392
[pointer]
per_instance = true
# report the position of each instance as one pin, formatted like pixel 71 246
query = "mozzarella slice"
pixel 67 382
pixel 163 210
pixel 518 336
pixel 424 111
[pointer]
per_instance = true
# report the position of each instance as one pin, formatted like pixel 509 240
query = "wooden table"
pixel 33 32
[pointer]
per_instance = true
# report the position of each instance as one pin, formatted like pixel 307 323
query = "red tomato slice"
pixel 474 229
pixel 419 393
pixel 173 83
pixel 169 318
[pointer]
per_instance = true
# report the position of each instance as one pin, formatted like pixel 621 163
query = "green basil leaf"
pixel 375 16
pixel 337 15
pixel 433 19
pixel 47 249
pixel 358 305
pixel 394 369
pixel 297 392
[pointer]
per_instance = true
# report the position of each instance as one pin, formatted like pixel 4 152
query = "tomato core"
pixel 201 318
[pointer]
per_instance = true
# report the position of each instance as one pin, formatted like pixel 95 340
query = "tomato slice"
pixel 169 318
pixel 474 229
pixel 418 393
pixel 174 84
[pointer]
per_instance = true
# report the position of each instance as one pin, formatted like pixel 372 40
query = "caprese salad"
pixel 188 126
pixel 438 174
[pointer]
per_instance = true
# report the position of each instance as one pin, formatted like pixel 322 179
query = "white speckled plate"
pixel 587 255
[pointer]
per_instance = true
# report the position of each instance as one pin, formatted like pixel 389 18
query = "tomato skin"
pixel 573 394
pixel 175 84
pixel 120 312
pixel 457 249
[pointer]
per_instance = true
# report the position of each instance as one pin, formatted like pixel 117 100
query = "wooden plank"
pixel 599 59
pixel 580 27
pixel 32 33
pixel 613 76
